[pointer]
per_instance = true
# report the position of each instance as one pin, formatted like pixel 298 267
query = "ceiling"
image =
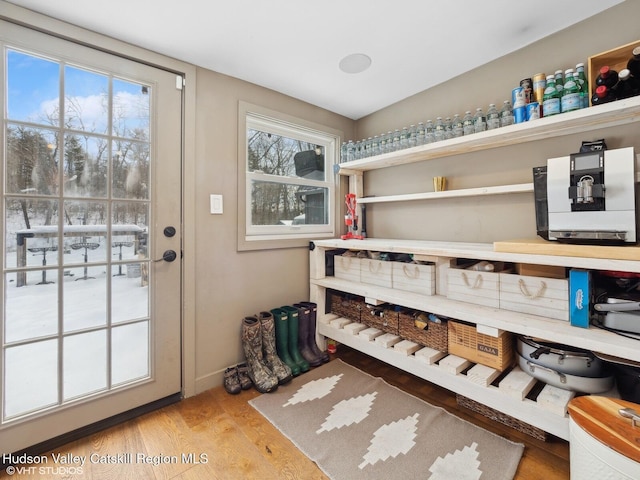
pixel 295 47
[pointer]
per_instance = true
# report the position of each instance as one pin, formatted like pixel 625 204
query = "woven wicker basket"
pixel 434 335
pixel 345 305
pixel 503 418
pixel 383 317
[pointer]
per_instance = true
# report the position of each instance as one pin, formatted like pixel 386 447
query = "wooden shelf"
pixel 525 410
pixel 558 331
pixel 464 192
pixel 611 114
pixel 486 251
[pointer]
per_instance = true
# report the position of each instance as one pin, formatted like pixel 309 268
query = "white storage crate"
pixel 376 272
pixel 347 268
pixel 481 288
pixel 413 277
pixel 548 297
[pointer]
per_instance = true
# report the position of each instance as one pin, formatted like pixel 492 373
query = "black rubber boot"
pixel 304 314
pixel 313 320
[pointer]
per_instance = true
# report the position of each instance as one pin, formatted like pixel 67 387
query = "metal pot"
pixel 565 381
pixel 561 358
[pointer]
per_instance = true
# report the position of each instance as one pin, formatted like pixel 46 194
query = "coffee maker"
pixel 591 197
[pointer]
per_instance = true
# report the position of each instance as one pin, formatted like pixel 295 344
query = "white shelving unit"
pixel 594 118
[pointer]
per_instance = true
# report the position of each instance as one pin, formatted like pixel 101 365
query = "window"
pixel 288 194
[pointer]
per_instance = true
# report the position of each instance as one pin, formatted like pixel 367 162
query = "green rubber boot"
pixel 281 319
pixel 293 338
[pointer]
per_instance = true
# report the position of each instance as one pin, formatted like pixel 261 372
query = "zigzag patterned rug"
pixel 355 426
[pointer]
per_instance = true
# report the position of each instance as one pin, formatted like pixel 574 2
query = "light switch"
pixel 216 204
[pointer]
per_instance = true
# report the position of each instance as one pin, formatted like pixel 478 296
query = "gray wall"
pixel 486 219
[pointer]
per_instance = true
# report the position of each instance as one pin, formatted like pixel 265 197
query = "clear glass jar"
pixel 467 123
pixel 428 132
pixel 420 140
pixel 457 129
pixel 438 130
pixel 404 138
pixel 412 136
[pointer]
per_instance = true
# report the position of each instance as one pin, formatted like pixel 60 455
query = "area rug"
pixel 355 426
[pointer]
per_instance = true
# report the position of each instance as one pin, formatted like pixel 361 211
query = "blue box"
pixel 579 297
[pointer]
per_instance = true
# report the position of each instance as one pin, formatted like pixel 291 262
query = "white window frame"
pixel 252 237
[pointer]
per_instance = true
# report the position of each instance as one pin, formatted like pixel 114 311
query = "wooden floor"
pixel 232 441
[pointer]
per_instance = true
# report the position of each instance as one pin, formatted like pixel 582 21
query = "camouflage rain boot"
pixel 275 364
pixel 263 379
pixel 313 320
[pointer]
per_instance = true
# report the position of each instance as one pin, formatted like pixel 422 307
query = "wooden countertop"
pixel 539 246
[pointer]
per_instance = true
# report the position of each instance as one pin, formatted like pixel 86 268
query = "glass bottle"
pixel 584 84
pixel 389 142
pixel 375 146
pixel 628 86
pixel 439 130
pixel 351 151
pixel 404 138
pixel 479 121
pixel 467 123
pixel 607 77
pixel 428 132
pixel 571 99
pixel 420 134
pixel 602 95
pixel 633 65
pixel 551 98
pixel 395 144
pixel 343 152
pixel 493 117
pixel 457 126
pixel 506 114
pixel 448 129
pixel 559 79
pixel 412 136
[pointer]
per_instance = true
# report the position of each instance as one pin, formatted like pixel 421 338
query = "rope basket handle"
pixel 408 274
pixel 377 270
pixel 525 291
pixel 342 259
pixel 476 284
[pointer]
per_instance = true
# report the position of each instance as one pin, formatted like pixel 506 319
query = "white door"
pixel 91 201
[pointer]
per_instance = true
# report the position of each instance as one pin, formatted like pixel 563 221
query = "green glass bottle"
pixel 571 99
pixel 584 84
pixel 551 98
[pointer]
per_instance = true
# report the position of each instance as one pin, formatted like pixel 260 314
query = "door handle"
pixel 167 256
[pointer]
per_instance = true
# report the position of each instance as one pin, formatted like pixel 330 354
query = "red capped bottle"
pixel 602 95
pixel 607 77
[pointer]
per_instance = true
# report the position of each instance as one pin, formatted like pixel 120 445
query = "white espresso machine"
pixel 592 197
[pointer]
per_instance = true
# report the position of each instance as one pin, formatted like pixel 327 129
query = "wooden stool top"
pixel 599 417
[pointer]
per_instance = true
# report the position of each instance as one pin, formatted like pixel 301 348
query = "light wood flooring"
pixel 238 443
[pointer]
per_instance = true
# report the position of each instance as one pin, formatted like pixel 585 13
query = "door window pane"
pixel 131 173
pixel 31 377
pixel 32 161
pixel 129 353
pixel 131 109
pixel 85 295
pixel 30 311
pixel 85 364
pixel 86 100
pixel 33 90
pixel 86 164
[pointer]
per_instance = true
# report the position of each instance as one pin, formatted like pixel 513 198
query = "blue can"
pixel 520 114
pixel 517 97
pixel 533 111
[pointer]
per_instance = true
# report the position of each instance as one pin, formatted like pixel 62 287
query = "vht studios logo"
pixel 488 349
